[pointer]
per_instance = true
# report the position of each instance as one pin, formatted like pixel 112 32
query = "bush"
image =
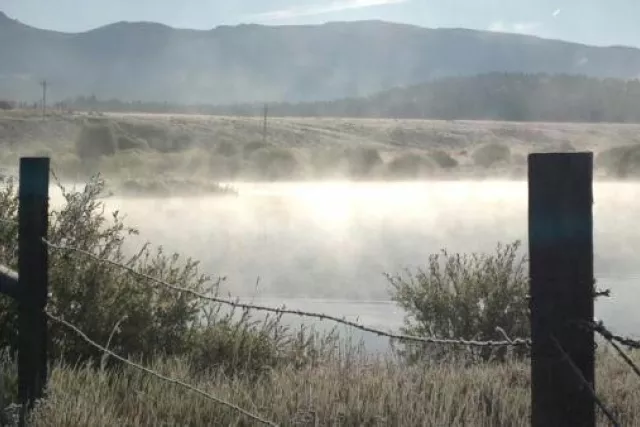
pixel 126 142
pixel 249 148
pixel 443 159
pixel 226 149
pixel 328 162
pixel 156 136
pixel 409 166
pixel 465 296
pixel 620 162
pixel 363 161
pixel 96 140
pixel 6 105
pixel 113 306
pixel 491 154
pixel 275 163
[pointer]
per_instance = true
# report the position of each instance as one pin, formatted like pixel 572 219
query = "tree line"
pixel 494 96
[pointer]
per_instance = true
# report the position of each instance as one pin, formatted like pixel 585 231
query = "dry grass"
pixel 349 390
pixel 209 147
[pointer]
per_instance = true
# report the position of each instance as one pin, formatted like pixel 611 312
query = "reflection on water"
pixel 314 241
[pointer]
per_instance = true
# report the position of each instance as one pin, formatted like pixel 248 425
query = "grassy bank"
pixel 349 389
pixel 198 150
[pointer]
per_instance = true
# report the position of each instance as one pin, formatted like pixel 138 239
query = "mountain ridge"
pixel 243 63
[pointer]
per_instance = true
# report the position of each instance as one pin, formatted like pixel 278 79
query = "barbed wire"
pixel 611 338
pixel 321 316
pixel 585 383
pixel 156 374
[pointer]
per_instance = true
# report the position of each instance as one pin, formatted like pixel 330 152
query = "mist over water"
pixel 325 246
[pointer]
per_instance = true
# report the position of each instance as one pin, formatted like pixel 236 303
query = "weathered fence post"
pixel 561 273
pixel 33 279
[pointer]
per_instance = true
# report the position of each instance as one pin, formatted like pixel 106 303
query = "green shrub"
pixel 328 161
pixel 519 159
pixel 409 166
pixel 275 163
pixel 464 296
pixel 363 161
pixel 96 140
pixel 443 159
pixel 111 305
pixel 126 142
pixel 249 148
pixel 620 162
pixel 227 149
pixel 491 154
pixel 156 136
pixel 220 167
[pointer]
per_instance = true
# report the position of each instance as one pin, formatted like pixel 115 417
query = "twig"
pixel 157 375
pixel 602 293
pixel 321 316
pixel 585 383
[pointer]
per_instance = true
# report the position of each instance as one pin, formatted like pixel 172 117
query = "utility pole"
pixel 264 125
pixel 43 83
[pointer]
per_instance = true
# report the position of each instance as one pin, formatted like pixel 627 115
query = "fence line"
pixel 321 316
pixel 157 375
pixel 585 384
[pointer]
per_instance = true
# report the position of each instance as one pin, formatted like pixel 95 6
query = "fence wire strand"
pixel 611 338
pixel 516 342
pixel 157 375
pixel 585 383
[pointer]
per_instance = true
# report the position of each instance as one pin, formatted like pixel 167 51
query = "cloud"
pixel 556 13
pixel 515 27
pixel 319 9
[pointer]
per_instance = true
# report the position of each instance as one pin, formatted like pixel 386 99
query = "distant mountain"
pixel 252 63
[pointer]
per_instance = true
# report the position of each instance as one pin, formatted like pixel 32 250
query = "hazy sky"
pixel 601 22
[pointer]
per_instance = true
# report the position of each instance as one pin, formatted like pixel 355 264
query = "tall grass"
pixel 349 389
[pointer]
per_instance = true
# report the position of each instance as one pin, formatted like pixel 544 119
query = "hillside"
pixel 254 63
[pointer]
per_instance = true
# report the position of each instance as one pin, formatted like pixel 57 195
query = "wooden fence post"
pixel 561 281
pixel 33 280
